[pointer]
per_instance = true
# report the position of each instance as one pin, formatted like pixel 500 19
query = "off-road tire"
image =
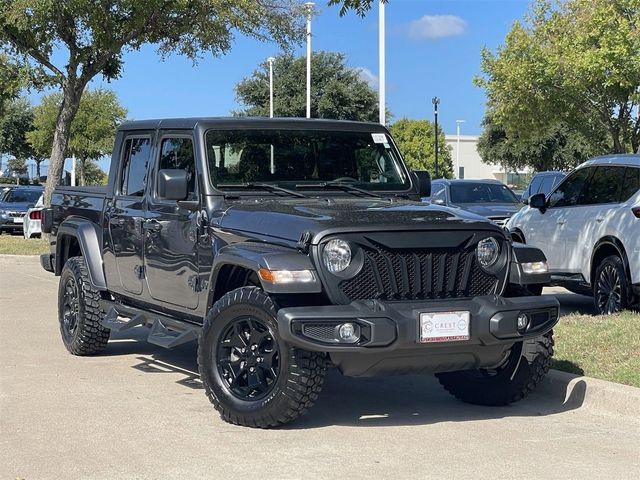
pixel 530 360
pixel 301 373
pixel 614 265
pixel 89 336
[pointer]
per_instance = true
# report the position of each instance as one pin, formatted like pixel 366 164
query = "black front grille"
pixel 415 274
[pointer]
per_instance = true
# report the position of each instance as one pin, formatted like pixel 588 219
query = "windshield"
pixel 481 193
pixel 18 195
pixel 304 158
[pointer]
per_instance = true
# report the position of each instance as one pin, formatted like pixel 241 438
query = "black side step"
pixel 169 336
pixel 165 331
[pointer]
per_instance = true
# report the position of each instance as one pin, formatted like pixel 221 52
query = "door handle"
pixel 561 221
pixel 152 226
pixel 116 221
pixel 599 219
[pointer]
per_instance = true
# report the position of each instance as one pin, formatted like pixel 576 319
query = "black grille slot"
pixel 418 275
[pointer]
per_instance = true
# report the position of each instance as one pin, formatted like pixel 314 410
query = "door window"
pixel 604 186
pixel 440 194
pixel 568 192
pixel 133 175
pixel 631 183
pixel 177 153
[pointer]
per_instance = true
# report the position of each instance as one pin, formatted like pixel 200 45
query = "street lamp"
pixel 309 12
pixel 270 61
pixel 458 122
pixel 382 68
pixel 436 102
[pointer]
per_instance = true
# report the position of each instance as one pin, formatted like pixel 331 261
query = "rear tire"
pixel 79 311
pixel 525 367
pixel 250 375
pixel 611 292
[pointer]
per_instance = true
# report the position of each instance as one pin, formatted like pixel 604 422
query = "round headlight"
pixel 336 255
pixel 488 251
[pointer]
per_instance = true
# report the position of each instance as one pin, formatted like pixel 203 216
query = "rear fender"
pixel 89 238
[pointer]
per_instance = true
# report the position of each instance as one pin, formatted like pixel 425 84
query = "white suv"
pixel 589 229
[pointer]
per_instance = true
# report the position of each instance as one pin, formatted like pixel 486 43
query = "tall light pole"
pixel 270 61
pixel 457 172
pixel 382 67
pixel 436 102
pixel 309 10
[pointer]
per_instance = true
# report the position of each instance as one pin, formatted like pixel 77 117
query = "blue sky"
pixel 433 48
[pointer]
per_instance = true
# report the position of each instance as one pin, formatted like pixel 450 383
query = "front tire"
pixel 524 368
pixel 250 375
pixel 611 292
pixel 79 311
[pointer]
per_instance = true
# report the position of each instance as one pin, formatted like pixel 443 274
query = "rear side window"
pixel 604 186
pixel 177 153
pixel 547 185
pixel 568 192
pixel 535 186
pixel 631 183
pixel 133 174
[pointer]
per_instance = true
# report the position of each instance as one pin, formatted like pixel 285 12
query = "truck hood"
pixel 289 219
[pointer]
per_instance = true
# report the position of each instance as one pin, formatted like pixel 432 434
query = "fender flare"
pixel 254 256
pixel 88 236
pixel 614 242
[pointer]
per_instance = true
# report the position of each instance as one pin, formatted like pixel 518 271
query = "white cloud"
pixel 433 27
pixel 368 76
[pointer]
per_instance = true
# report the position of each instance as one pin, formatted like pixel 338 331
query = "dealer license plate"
pixel 18 220
pixel 444 327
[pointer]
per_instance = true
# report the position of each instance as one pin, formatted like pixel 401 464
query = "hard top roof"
pixel 250 123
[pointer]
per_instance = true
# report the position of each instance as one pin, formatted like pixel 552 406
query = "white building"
pixel 470 164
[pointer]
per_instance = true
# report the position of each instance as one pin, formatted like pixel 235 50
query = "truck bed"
pixel 85 202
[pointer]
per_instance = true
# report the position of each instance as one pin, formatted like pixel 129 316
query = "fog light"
pixel 349 333
pixel 535 267
pixel 523 321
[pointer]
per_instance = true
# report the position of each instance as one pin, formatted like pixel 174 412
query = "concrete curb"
pixel 598 396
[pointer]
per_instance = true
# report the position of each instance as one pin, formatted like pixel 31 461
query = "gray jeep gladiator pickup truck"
pixel 285 247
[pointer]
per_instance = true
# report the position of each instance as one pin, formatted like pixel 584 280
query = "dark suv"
pixel 285 247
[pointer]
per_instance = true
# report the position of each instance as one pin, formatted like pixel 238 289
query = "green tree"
pixel 16 120
pixel 561 149
pixel 337 91
pixel 68 43
pixel 416 141
pixel 94 175
pixel 576 62
pixel 92 131
pixel 18 167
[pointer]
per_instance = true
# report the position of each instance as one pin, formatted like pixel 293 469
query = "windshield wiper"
pixel 346 187
pixel 263 186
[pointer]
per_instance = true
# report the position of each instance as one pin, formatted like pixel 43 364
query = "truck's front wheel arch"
pixel 228 278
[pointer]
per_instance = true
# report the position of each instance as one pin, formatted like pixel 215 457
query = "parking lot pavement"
pixel 571 302
pixel 138 411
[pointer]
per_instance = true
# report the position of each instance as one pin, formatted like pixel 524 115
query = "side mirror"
pixel 539 201
pixel 423 181
pixel 172 184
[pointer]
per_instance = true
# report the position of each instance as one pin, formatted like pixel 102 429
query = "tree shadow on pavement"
pixel 380 401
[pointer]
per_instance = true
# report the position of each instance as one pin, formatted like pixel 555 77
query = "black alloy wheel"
pixel 248 359
pixel 610 289
pixel 70 309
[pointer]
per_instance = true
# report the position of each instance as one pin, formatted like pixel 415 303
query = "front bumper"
pixel 390 333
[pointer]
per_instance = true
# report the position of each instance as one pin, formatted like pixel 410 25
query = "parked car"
pixel 32 221
pixel 589 229
pixel 284 246
pixel 542 182
pixel 14 206
pixel 488 198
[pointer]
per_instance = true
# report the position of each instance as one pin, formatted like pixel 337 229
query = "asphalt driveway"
pixel 138 411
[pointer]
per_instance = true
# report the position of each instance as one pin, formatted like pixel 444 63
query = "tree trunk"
pixel 38 162
pixel 71 91
pixel 82 168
